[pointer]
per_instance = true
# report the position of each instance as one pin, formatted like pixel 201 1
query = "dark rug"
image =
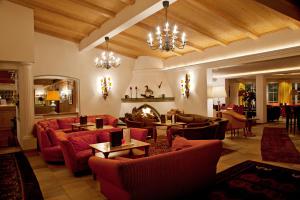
pixel 277 146
pixel 161 146
pixel 17 179
pixel 255 181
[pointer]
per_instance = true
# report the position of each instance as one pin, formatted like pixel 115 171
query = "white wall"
pixel 197 101
pixel 55 56
pixel 16 34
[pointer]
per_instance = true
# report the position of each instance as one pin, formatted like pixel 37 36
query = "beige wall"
pixel 55 56
pixel 197 101
pixel 16 35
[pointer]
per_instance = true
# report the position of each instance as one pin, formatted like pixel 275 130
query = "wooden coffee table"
pixel 80 127
pixel 106 149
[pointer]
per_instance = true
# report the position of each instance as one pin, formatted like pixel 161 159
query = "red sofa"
pixel 171 175
pixel 76 149
pixel 46 131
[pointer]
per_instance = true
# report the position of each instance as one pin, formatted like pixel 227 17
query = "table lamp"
pixel 53 95
pixel 217 92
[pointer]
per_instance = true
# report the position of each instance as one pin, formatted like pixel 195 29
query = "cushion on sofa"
pixel 53 124
pixel 44 123
pixel 200 119
pixel 81 143
pixel 52 136
pixel 180 143
pixel 199 124
pixel 65 123
pixel 184 119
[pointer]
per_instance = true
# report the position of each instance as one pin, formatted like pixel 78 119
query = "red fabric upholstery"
pixel 76 150
pixel 65 123
pixel 81 143
pixel 180 143
pixel 47 139
pixel 165 176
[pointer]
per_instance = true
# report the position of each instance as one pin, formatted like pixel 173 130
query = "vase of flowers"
pixel 248 97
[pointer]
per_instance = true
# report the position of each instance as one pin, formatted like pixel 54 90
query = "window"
pixel 272 92
pixel 295 93
pixel 250 87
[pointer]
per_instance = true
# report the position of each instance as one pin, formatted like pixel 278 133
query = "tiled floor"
pixel 58 184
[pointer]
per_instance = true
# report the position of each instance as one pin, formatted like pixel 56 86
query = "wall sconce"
pixel 185 86
pixel 106 85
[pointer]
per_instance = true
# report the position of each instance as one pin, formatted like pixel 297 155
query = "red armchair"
pixel 171 175
pixel 76 149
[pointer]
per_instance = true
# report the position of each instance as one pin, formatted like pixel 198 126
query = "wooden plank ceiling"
pixel 207 23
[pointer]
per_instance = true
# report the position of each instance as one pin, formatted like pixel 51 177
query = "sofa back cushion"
pixel 81 143
pixel 65 123
pixel 180 143
pixel 199 124
pixel 53 124
pixel 44 124
pixel 200 119
pixel 185 119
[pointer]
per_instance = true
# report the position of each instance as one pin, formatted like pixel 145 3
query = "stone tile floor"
pixel 57 183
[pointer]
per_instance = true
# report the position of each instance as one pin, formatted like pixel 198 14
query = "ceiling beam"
pixel 285 8
pixel 32 4
pixel 224 15
pixel 128 2
pixel 126 18
pixel 103 11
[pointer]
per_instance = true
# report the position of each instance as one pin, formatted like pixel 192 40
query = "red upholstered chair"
pixel 76 149
pixel 171 175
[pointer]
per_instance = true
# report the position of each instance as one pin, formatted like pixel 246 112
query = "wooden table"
pixel 79 126
pixel 167 124
pixel 106 149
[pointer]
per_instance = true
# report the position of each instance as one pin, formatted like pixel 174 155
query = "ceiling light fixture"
pixel 107 59
pixel 166 39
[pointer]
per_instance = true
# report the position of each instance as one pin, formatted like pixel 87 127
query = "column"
pixel 261 98
pixel 25 111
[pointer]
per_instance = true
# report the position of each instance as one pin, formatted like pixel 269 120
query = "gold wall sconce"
pixel 185 86
pixel 106 85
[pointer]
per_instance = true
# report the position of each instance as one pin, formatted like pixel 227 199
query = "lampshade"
pixel 53 95
pixel 216 92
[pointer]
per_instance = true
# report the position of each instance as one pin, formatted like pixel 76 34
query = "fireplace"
pixel 145 113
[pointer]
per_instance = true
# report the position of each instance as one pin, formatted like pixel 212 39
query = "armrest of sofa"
pixel 106 169
pixel 139 134
pixel 111 120
pixel 43 139
pixel 68 152
pixel 172 132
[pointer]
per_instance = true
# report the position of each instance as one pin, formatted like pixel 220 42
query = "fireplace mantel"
pixel 137 100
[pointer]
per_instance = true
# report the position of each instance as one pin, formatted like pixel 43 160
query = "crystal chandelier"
pixel 166 39
pixel 107 59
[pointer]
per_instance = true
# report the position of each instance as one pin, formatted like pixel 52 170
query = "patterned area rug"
pixel 161 146
pixel 254 180
pixel 277 146
pixel 17 179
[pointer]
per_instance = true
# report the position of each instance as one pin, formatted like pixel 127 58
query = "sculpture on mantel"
pixel 148 92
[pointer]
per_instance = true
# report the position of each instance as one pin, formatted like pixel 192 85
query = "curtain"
pixel 284 91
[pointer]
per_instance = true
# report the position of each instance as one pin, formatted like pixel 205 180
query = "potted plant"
pixel 248 97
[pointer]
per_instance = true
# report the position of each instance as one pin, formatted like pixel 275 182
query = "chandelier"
pixel 107 59
pixel 166 39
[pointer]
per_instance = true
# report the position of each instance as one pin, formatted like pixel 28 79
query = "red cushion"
pixel 43 124
pixel 52 135
pixel 53 124
pixel 81 143
pixel 65 123
pixel 91 119
pixel 180 143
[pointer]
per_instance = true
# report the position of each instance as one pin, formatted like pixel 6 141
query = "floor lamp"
pixel 217 92
pixel 53 95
